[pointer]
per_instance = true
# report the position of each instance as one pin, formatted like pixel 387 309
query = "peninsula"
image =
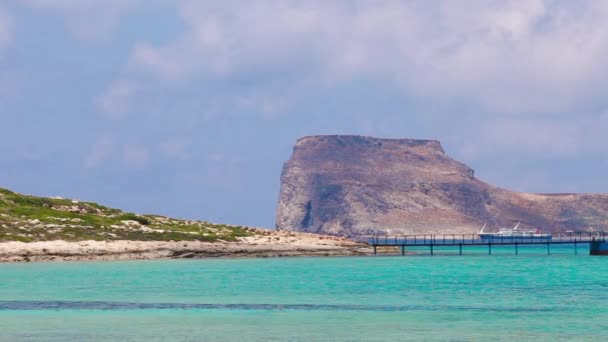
pixel 46 229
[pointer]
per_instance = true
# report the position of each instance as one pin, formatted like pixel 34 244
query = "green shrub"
pixel 133 217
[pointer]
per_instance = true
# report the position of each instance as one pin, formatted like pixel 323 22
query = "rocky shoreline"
pixel 273 244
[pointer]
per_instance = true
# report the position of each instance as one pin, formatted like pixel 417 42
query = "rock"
pixel 130 223
pixel 186 256
pixel 354 186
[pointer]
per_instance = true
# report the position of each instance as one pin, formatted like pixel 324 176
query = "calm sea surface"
pixel 475 297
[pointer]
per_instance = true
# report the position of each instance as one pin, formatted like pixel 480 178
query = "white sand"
pixel 264 245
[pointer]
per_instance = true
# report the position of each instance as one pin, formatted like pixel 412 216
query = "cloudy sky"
pixel 189 107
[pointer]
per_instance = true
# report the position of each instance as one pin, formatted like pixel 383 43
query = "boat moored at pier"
pixel 508 235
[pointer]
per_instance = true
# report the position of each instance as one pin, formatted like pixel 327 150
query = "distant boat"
pixel 514 235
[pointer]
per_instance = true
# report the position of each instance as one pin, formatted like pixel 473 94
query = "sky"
pixel 189 108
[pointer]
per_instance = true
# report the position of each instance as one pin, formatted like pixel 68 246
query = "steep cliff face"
pixel 353 185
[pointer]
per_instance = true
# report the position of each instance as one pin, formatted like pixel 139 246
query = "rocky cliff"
pixel 354 185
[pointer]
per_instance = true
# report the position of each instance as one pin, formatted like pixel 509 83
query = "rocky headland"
pixel 355 186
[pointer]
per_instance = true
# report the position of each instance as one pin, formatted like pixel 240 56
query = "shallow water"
pixel 445 298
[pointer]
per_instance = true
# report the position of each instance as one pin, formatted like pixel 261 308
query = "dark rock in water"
pixel 354 185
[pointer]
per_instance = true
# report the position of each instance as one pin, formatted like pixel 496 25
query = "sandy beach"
pixel 270 244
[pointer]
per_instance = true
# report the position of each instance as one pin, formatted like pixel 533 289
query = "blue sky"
pixel 189 108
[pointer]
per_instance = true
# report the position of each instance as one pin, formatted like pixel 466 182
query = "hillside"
pixel 29 218
pixel 354 185
pixel 50 229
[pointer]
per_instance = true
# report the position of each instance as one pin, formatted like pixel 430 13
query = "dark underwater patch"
pixel 110 306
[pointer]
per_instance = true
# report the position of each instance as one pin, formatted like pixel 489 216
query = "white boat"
pixel 510 235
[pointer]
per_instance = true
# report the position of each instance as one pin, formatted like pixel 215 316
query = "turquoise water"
pixel 444 298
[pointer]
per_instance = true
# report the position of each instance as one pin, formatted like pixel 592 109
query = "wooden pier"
pixel 597 242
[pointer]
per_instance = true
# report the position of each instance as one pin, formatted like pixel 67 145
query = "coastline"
pixel 271 244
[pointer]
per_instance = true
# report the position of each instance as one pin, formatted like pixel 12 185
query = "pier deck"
pixel 460 240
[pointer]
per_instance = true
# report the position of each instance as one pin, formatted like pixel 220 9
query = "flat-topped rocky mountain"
pixel 355 185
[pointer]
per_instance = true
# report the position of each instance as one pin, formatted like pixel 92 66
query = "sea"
pixel 445 297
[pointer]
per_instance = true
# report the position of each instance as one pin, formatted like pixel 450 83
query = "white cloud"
pixel 508 56
pixel 6 34
pixel 104 148
pixel 147 57
pixel 101 150
pixel 136 156
pixel 557 139
pixel 117 101
pixel 176 148
pixel 527 67
pixel 269 104
pixel 88 19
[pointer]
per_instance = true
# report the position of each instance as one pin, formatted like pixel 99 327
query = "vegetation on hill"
pixel 29 218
